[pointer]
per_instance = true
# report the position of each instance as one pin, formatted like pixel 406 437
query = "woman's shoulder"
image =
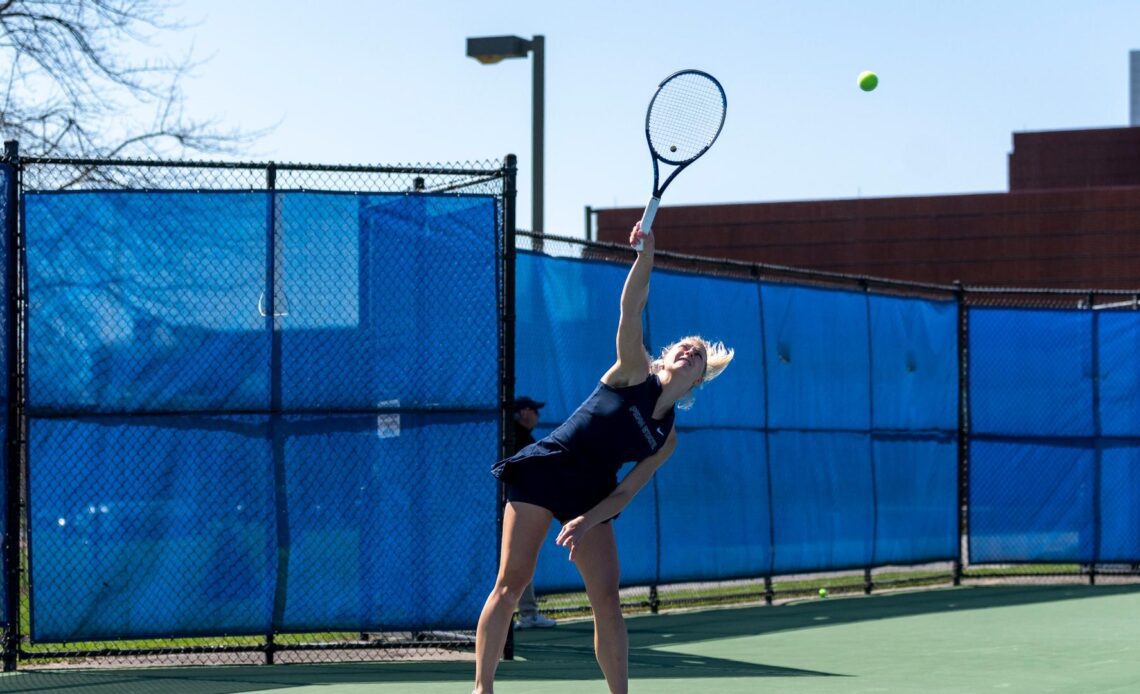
pixel 621 379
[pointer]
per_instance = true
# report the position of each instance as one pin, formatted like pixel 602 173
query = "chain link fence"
pixel 212 362
pixel 250 401
pixel 776 588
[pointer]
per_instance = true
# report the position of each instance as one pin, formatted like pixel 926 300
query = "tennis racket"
pixel 684 119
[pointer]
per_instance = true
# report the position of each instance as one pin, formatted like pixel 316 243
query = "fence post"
pixel 963 430
pixel 275 435
pixel 13 438
pixel 769 592
pixel 1097 427
pixel 507 351
pixel 867 581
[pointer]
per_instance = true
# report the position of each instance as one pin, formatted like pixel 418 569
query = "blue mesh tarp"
pixel 151 526
pixel 817 358
pixel 807 484
pixel 376 505
pixel 1029 372
pixel 1053 396
pixel 1119 499
pixel 916 498
pixel 915 369
pixel 184 518
pixel 717 309
pixel 715 519
pixel 1031 501
pixel 1118 343
pixel 374 288
pixel 147 302
pixel 565 319
pixel 822 500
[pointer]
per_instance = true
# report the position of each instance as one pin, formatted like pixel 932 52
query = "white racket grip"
pixel 647 220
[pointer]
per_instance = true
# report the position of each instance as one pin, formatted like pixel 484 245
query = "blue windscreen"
pixel 716 518
pixel 1029 372
pixel 916 498
pixel 147 302
pixel 717 309
pixel 817 358
pixel 253 411
pixel 1118 371
pixel 1030 501
pixel 369 496
pixel 566 318
pixel 1056 460
pixel 830 441
pixel 150 526
pixel 1119 500
pixel 915 370
pixel 375 287
pixel 822 500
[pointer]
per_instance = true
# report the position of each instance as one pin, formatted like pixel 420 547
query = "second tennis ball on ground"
pixel 868 80
pixel 823 592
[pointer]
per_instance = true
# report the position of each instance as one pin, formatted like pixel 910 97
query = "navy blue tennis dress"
pixel 576 466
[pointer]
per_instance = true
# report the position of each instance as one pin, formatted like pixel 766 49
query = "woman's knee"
pixel 510 587
pixel 606 601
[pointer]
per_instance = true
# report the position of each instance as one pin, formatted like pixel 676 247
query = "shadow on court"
pixel 566 651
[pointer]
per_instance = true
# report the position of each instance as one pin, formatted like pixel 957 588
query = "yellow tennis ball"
pixel 868 80
pixel 823 592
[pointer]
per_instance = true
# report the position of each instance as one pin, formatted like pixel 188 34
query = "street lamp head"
pixel 491 49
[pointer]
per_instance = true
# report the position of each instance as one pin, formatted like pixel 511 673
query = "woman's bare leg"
pixel 524 529
pixel 597 560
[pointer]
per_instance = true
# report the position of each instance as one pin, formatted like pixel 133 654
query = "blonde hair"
pixel 717 357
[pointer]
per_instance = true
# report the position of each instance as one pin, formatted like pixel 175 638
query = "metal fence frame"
pixel 498 179
pixel 960 570
pixel 505 177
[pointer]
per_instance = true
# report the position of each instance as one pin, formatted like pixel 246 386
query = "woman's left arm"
pixel 575 529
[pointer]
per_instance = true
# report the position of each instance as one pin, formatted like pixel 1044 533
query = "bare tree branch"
pixel 72 78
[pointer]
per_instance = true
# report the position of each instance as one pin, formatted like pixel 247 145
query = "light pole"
pixel 492 49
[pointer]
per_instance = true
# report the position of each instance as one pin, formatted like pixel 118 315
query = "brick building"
pixel 1071 219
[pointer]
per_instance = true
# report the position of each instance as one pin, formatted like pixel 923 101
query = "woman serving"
pixel 571 475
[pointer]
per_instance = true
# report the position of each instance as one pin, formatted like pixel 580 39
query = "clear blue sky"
pixel 388 82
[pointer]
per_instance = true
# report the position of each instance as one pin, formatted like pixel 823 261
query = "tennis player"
pixel 571 475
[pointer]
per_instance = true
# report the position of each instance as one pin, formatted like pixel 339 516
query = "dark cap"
pixel 525 402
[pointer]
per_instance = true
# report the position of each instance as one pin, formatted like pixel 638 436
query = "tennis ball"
pixel 868 80
pixel 672 148
pixel 823 592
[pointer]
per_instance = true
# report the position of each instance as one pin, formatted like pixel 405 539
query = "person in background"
pixel 526 419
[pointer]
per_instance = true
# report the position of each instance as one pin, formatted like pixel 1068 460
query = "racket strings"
pixel 685 117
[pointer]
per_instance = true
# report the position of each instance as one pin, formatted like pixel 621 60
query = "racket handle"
pixel 647 220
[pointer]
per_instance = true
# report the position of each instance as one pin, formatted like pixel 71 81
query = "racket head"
pixel 685 116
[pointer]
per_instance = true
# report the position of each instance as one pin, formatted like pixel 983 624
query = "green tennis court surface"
pixel 1077 639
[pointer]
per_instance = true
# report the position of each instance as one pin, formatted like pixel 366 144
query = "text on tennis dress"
pixel 644 428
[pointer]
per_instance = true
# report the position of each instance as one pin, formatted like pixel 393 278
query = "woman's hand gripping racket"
pixel 684 119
